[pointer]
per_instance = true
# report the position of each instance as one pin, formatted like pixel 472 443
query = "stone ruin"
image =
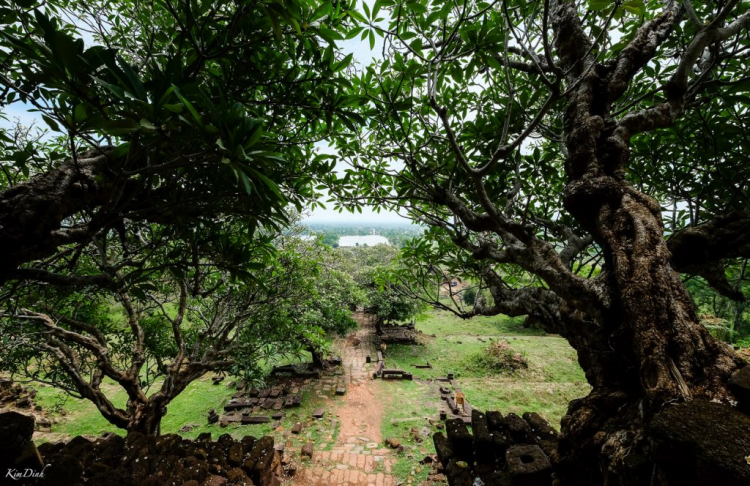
pixel 288 384
pixel 503 450
pixel 245 403
pixel 13 395
pixel 398 334
pixel 140 460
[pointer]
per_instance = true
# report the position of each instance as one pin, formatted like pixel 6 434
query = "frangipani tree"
pixel 548 145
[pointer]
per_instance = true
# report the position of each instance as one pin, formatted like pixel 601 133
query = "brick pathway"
pixel 358 458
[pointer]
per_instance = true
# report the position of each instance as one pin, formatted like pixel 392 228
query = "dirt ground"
pixel 358 457
pixel 360 414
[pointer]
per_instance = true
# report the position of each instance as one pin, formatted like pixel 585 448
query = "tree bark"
pixel 652 351
pixel 146 419
pixel 649 349
pixel 31 214
pixel 317 358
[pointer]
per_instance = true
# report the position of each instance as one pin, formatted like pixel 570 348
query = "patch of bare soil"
pixel 361 413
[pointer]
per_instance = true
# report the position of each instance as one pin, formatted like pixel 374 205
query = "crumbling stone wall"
pixel 501 451
pixel 141 460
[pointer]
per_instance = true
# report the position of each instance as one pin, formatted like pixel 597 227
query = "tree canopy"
pixel 551 146
pixel 140 233
pixel 178 113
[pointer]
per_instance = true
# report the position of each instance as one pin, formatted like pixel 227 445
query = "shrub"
pixel 469 295
pixel 498 357
pixel 718 328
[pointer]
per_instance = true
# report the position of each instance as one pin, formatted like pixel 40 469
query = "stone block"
pixel 519 430
pixel 483 450
pixel 528 466
pixel 443 448
pixel 460 439
pixel 701 443
pixel 541 427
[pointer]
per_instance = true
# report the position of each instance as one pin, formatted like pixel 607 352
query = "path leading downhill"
pixel 358 457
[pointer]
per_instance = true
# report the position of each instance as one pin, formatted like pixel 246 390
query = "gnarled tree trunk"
pixel 651 352
pixel 649 349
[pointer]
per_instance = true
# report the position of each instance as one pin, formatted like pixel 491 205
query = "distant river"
pixel 369 240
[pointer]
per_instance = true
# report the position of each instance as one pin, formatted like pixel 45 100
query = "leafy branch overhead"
pixel 174 115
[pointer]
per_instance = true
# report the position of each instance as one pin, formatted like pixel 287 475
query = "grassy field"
pixel 552 378
pixel 74 417
pixel 550 381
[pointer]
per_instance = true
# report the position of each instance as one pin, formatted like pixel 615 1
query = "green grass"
pixel 190 407
pixel 552 379
pixel 416 404
pixel 81 416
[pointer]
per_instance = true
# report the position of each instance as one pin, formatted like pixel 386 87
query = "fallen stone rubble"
pixel 503 450
pixel 142 460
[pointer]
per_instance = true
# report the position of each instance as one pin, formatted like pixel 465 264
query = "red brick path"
pixel 358 458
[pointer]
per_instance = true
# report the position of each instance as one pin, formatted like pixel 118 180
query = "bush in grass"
pixel 470 295
pixel 498 357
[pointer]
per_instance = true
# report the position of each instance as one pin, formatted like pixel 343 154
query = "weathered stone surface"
pixel 392 442
pixel 460 439
pixel 528 466
pixel 701 443
pixel 483 452
pixel 238 476
pixel 213 417
pixel 307 450
pixel 268 403
pixel 297 428
pixel 539 426
pixel 50 448
pixel 15 430
pixel 500 443
pixel 254 419
pixel 259 460
pixel 550 448
pixel 459 473
pixel 84 449
pixel 248 442
pixel 496 421
pixel 214 480
pixel 520 431
pixel 169 459
pixel 64 471
pixel 234 456
pixel 443 448
pixel 319 413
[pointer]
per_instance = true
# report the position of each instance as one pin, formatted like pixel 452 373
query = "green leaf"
pixel 597 5
pixel 367 10
pixel 52 123
pixel 190 107
pixel 147 124
pixel 416 7
pixel 635 6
